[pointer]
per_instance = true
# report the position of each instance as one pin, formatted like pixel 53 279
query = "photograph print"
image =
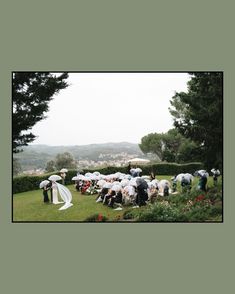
pixel 117 147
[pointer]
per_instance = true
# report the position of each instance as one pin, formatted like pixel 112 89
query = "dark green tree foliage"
pixel 65 160
pixel 170 146
pixel 198 115
pixel 152 143
pixel 31 93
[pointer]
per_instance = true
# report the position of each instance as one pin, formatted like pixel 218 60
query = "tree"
pixel 198 115
pixel 65 160
pixel 31 94
pixel 50 166
pixel 153 143
pixel 172 140
pixel 170 146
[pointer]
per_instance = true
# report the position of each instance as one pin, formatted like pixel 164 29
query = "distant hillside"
pixel 36 156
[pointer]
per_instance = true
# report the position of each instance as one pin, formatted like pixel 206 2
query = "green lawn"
pixel 29 206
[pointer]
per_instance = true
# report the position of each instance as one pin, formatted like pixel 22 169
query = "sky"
pixel 110 107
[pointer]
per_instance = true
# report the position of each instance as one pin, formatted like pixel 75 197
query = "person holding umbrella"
pixel 63 172
pixel 215 173
pixel 142 195
pixel 44 185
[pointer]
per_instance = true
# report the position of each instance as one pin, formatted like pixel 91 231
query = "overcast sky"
pixel 110 107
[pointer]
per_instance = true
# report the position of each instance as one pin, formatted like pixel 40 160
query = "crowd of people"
pixel 118 189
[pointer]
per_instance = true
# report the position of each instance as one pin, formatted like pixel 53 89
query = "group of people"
pixel 116 190
pixel 56 189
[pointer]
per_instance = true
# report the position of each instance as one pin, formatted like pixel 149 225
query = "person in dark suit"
pixel 49 187
pixel 45 194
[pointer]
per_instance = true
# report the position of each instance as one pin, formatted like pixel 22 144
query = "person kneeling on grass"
pixel 101 195
pixel 142 195
pixel 85 186
pixel 116 199
pixel 108 196
pixel 185 184
pixel 202 182
pixel 216 174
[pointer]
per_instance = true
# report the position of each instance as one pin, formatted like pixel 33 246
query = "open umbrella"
pixel 116 188
pixel 107 185
pixel 179 177
pixel 63 170
pixel 54 178
pixel 76 178
pixel 124 182
pixel 101 183
pixel 139 161
pixel 96 173
pixel 43 184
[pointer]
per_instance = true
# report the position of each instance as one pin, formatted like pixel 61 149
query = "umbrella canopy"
pixel 107 185
pixel 163 183
pixel 133 182
pixel 101 183
pixel 76 178
pixel 96 173
pixel 124 182
pixel 54 178
pixel 116 188
pixel 139 161
pixel 179 177
pixel 188 176
pixel 88 174
pixel 201 173
pixel 43 184
pixel 215 171
pixel 63 170
pixel 155 182
pixel 81 177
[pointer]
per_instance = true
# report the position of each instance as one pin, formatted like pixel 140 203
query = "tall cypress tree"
pixel 31 94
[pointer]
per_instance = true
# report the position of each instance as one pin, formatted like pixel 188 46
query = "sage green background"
pixel 116 35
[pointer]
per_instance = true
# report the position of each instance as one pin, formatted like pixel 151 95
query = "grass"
pixel 29 206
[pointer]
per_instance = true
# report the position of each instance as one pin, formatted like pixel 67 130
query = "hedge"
pixel 28 183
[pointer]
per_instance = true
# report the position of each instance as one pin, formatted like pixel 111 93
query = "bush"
pixel 162 212
pixel 27 183
pixel 129 214
pixel 97 217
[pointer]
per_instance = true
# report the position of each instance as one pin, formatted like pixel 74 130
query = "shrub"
pixel 129 214
pixel 216 210
pixel 97 217
pixel 162 212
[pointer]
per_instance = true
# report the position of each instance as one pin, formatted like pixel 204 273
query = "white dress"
pixel 55 194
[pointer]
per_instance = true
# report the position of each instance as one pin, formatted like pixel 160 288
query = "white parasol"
pixel 116 188
pixel 139 161
pixel 54 178
pixel 43 184
pixel 63 170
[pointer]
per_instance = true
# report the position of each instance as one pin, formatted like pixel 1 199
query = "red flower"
pixel 100 217
pixel 200 197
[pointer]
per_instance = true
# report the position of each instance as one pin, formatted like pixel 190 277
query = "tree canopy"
pixel 65 160
pixel 198 115
pixel 31 93
pixel 170 146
